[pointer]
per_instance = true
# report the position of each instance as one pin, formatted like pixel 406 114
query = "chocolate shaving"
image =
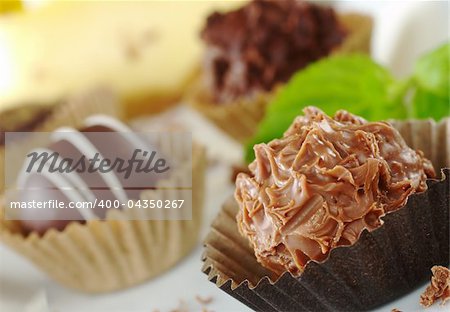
pixel 182 307
pixel 204 301
pixel 439 287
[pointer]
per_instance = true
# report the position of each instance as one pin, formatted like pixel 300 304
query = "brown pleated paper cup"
pixel 240 119
pixel 125 249
pixel 381 266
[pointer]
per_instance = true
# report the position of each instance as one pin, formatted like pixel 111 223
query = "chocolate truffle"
pixel 263 43
pixel 83 185
pixel 320 185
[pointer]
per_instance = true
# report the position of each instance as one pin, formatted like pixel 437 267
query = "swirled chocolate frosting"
pixel 320 185
pixel 263 43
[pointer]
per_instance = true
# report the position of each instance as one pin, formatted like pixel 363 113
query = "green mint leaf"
pixel 430 85
pixel 432 71
pixel 351 82
pixel 427 104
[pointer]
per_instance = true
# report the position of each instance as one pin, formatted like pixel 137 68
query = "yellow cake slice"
pixel 147 51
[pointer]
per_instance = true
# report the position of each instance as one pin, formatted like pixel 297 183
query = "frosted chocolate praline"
pixel 82 186
pixel 263 43
pixel 320 185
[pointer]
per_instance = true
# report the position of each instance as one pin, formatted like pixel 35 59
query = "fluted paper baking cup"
pixel 381 266
pixel 240 118
pixel 71 112
pixel 432 138
pixel 102 256
pixel 106 255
